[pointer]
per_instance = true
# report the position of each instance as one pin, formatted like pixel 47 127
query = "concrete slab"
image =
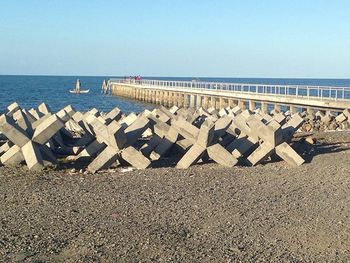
pixel 113 115
pixel 289 155
pixel 12 131
pixel 191 157
pixel 135 158
pixel 13 156
pixel 12 108
pixel 260 154
pixel 221 156
pixel 32 156
pixel 104 160
pixel 136 129
pixel 47 129
pixel 44 108
pixel 149 146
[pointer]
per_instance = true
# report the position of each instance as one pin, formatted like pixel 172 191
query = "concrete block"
pixel 242 145
pixel 191 157
pixel 104 160
pixel 5 147
pixel 12 108
pixel 116 135
pixel 35 113
pixel 223 112
pixel 267 118
pixel 162 148
pixel 91 150
pixel 221 156
pixel 341 118
pixel 12 156
pixel 167 112
pixel 47 129
pixel 135 158
pixel 136 129
pixel 227 139
pixel 78 116
pixel 63 115
pixel 94 112
pixel 280 118
pixel 149 146
pixel 240 123
pixel 70 110
pixel 147 133
pixel 161 116
pixel 39 121
pixel 260 154
pixel 174 109
pixel 206 134
pixel 186 129
pixel 128 120
pixel 184 144
pixel 12 131
pixel 289 155
pixel 161 129
pixel 44 108
pixel 221 126
pixel 32 156
pixel 346 112
pixel 23 122
pixel 29 116
pixel 113 115
pixel 236 110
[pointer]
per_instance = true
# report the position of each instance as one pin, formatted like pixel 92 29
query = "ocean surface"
pixel 30 91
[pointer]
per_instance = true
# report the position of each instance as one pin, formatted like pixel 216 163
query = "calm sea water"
pixel 30 91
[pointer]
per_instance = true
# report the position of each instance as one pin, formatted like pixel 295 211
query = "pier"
pixel 218 95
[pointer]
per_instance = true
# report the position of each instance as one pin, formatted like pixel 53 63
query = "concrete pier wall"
pixel 182 97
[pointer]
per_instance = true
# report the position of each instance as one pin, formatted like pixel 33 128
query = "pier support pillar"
pixel 180 100
pixel 264 107
pixel 231 103
pixel 212 102
pixel 241 104
pixel 278 107
pixel 198 101
pixel 310 110
pixel 192 102
pixel 292 109
pixel 205 102
pixel 185 100
pixel 221 103
pixel 252 105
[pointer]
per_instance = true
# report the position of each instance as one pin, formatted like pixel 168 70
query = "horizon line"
pixel 222 77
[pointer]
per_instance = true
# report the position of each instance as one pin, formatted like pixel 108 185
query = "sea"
pixel 30 91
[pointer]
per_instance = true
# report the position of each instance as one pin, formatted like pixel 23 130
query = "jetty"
pixel 197 94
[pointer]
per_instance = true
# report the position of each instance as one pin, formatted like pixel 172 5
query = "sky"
pixel 192 38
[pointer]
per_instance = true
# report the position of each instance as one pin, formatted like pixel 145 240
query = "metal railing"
pixel 299 91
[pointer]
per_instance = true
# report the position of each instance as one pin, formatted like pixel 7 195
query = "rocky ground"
pixel 271 212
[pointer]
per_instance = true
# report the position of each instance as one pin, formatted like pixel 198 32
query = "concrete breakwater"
pixel 232 136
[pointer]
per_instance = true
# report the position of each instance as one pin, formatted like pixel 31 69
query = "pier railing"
pixel 298 91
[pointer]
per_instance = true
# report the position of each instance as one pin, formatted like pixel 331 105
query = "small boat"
pixel 77 89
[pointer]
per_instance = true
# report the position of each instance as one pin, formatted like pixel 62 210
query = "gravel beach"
pixel 207 213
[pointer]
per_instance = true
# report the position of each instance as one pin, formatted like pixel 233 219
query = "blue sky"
pixel 247 38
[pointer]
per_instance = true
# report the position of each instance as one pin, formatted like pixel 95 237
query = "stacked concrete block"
pixel 227 136
pixel 27 147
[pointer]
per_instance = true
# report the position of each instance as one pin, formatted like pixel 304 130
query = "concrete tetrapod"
pixel 204 144
pixel 118 144
pixel 32 149
pixel 272 137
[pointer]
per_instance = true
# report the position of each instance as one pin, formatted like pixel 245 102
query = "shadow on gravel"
pixel 309 151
